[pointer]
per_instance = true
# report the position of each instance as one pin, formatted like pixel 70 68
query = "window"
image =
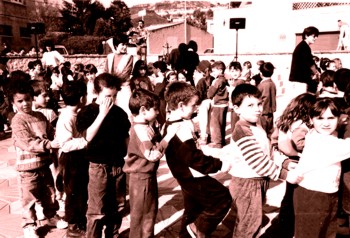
pixel 6 30
pixel 22 2
pixel 24 32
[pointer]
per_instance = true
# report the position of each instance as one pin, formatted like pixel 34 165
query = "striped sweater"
pixel 31 134
pixel 253 153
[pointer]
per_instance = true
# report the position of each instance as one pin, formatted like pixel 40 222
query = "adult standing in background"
pixel 51 57
pixel 344 35
pixel 303 73
pixel 138 36
pixel 192 60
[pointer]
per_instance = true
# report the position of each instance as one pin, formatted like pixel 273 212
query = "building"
pixel 275 26
pixel 169 36
pixel 13 23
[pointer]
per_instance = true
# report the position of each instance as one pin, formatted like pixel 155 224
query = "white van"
pixel 61 49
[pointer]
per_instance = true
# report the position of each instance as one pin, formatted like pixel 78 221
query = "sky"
pixel 131 3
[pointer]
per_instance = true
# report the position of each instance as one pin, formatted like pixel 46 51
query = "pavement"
pixel 170 203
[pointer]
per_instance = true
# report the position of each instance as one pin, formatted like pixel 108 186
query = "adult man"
pixel 344 35
pixel 138 36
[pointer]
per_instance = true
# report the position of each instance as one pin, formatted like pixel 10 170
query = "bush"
pixel 83 44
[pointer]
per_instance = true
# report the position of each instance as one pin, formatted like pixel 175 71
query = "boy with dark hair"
pixel 253 166
pixel 268 95
pixel 106 128
pixel 142 162
pixel 72 163
pixel 206 201
pixel 219 94
pixel 32 135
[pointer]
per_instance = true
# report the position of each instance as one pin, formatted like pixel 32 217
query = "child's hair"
pixel 248 64
pixel 30 65
pixel 325 62
pixel 170 73
pixel 160 65
pixel 321 106
pixel 142 98
pixel 79 67
pixel 106 80
pixel 266 69
pixel 37 62
pixel 56 70
pixel 204 67
pixel 39 87
pixel 297 109
pixel 72 91
pixel 219 65
pixel 140 64
pixel 67 64
pixel 90 68
pixel 311 30
pixel 179 91
pixel 19 86
pixel 235 65
pixel 342 78
pixel 327 78
pixel 243 90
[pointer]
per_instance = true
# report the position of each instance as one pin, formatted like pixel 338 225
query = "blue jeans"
pixel 143 205
pixel 218 125
pixel 37 186
pixel 106 192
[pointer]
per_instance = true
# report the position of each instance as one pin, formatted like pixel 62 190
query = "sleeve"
pixel 213 89
pixel 59 57
pixel 253 154
pixel 24 139
pixel 64 134
pixel 85 118
pixel 298 138
pixel 151 151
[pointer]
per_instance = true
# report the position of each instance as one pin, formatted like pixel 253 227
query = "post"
pixel 36 46
pixel 236 57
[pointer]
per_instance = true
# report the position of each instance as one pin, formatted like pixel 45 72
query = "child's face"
pixel 172 78
pixel 142 72
pixel 151 114
pixel 37 67
pixel 326 123
pixel 90 77
pixel 107 93
pixel 41 100
pixel 197 75
pixel 216 72
pixel 22 102
pixel 181 77
pixel 189 108
pixel 235 73
pixel 331 66
pixel 250 109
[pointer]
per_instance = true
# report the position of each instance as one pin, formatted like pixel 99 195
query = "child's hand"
pixel 294 177
pixel 105 105
pixel 55 144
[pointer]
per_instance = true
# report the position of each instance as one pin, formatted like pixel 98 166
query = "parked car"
pixel 209 51
pixel 61 49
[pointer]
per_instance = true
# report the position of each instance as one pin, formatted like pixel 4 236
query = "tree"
pixel 119 18
pixel 46 13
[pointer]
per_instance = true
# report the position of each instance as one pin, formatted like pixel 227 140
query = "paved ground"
pixel 170 203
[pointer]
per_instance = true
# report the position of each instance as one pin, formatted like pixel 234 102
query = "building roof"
pixel 161 26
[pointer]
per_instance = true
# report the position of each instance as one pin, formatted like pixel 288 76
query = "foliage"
pixel 83 44
pixel 47 13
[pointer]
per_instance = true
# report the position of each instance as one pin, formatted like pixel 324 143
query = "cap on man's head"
pixel 203 66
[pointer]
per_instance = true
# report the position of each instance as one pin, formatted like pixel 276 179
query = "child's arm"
pixel 298 138
pixel 105 106
pixel 64 135
pixel 25 140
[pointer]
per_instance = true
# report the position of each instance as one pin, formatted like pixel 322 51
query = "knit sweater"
pixel 320 161
pixel 31 134
pixel 253 153
pixel 144 150
pixel 218 91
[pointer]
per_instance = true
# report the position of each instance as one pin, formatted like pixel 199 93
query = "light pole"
pixel 185 22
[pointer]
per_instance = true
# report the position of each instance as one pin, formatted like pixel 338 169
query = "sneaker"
pixel 57 221
pixel 74 231
pixel 29 231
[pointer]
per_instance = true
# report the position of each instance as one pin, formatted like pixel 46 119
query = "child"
pixel 90 72
pixel 106 128
pixel 316 197
pixel 206 200
pixel 32 133
pixel 142 162
pixel 268 90
pixel 247 71
pixel 252 166
pixel 74 166
pixel 291 129
pixel 219 95
pixel 203 81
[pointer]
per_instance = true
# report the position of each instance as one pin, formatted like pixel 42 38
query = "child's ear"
pixel 180 104
pixel 142 110
pixel 236 109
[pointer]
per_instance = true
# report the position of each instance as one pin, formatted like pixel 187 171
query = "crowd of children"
pixel 75 144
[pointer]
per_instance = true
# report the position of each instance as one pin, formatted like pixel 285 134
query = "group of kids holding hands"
pixel 98 145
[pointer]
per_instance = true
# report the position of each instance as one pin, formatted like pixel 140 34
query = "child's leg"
pixel 29 194
pixel 211 201
pixel 315 213
pixel 217 125
pixel 143 205
pixel 248 196
pixel 286 214
pixel 203 119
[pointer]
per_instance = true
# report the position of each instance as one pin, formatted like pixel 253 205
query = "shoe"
pixel 57 221
pixel 29 231
pixel 74 231
pixel 194 232
pixel 189 230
